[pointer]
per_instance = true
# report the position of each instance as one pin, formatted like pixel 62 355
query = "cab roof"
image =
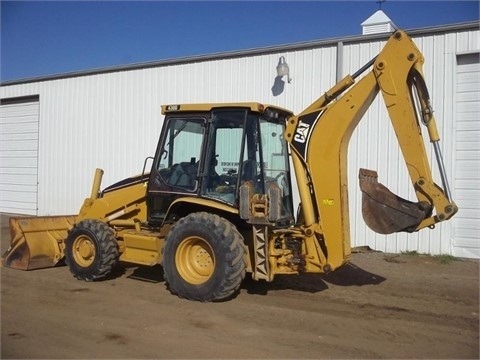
pixel 207 107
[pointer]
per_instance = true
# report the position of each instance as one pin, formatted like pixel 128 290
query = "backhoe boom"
pixel 319 138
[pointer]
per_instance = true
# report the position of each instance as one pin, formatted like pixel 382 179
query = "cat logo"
pixel 301 133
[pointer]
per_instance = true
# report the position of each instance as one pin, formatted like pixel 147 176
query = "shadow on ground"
pixel 153 274
pixel 347 275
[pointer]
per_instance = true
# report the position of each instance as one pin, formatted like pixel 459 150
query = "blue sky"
pixel 41 38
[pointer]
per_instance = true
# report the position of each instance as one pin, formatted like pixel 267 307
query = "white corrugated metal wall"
pixel 112 120
pixel 466 239
pixel 19 156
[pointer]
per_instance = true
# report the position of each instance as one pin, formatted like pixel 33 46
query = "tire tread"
pixel 231 243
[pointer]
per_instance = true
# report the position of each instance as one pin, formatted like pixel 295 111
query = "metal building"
pixel 54 131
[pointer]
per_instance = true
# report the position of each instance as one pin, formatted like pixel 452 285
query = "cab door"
pixel 176 166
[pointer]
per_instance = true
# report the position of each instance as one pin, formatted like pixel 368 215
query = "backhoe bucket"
pixel 37 242
pixel 383 211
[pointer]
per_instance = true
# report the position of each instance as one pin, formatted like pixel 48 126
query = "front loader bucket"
pixel 37 242
pixel 383 211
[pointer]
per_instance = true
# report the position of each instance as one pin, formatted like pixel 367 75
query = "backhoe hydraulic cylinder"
pixel 441 168
pixel 304 191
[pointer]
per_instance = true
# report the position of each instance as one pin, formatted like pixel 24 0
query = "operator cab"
pixel 210 151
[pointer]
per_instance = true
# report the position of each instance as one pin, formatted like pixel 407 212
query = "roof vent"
pixel 378 23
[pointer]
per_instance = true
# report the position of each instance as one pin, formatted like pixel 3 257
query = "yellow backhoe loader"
pixel 217 202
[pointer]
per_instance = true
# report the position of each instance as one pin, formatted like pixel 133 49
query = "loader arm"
pixel 319 138
pixel 39 242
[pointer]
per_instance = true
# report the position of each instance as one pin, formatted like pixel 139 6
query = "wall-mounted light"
pixel 283 69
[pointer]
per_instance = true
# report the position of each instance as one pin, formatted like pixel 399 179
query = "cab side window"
pixel 181 152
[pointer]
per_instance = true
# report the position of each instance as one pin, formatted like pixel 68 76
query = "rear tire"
pixel 204 258
pixel 91 250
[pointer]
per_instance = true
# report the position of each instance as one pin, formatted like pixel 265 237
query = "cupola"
pixel 378 23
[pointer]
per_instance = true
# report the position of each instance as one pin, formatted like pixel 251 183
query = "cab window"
pixel 181 151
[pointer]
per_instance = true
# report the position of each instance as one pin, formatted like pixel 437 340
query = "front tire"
pixel 91 250
pixel 204 258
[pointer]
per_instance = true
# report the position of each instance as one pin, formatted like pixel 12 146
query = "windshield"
pixel 275 162
pixel 244 147
pixel 225 153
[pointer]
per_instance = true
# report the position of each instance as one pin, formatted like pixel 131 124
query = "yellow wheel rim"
pixel 83 251
pixel 195 260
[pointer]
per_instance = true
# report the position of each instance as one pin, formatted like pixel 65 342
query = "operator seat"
pixel 183 175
